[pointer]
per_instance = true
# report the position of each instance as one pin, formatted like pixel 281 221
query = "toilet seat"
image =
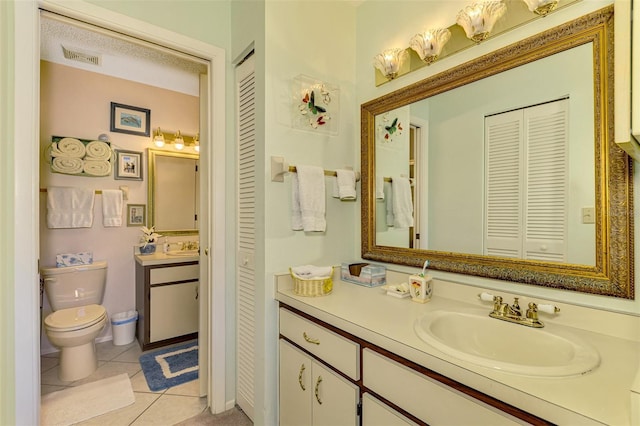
pixel 77 318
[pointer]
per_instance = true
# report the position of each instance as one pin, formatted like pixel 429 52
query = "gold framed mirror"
pixel 601 221
pixel 173 188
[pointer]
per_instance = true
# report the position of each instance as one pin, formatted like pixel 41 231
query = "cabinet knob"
pixel 302 368
pixel 317 391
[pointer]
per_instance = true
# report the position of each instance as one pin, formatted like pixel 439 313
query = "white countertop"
pixel 600 396
pixel 159 258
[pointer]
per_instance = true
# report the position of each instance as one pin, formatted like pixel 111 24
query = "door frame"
pixel 27 107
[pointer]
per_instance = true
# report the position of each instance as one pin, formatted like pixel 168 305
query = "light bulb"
pixel 158 138
pixel 178 141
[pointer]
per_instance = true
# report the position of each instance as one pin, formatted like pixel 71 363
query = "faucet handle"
pixel 549 309
pixel 486 297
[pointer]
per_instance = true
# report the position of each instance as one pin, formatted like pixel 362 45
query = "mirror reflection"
pixel 503 166
pixel 173 192
pixel 506 167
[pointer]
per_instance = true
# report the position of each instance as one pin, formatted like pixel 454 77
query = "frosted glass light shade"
pixel 389 62
pixel 429 44
pixel 178 142
pixel 541 7
pixel 158 138
pixel 478 19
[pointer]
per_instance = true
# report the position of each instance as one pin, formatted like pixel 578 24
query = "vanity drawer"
pixel 427 399
pixel 174 274
pixel 332 348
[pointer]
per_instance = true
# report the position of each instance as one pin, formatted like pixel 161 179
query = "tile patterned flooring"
pixel 166 407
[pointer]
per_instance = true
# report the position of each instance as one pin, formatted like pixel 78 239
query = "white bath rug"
pixel 83 402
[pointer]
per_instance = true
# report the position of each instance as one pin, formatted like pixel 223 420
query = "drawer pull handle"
pixel 309 339
pixel 302 368
pixel 317 389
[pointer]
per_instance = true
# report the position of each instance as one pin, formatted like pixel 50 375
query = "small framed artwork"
pixel 136 215
pixel 128 165
pixel 131 120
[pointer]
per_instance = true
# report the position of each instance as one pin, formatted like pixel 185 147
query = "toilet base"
pixel 77 362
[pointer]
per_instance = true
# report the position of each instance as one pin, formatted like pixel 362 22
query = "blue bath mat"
pixel 170 367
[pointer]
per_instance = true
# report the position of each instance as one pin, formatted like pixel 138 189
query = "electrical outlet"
pixel 588 215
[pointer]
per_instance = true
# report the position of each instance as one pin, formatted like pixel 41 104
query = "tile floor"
pixel 166 407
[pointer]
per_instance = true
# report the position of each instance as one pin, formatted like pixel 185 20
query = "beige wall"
pixel 76 103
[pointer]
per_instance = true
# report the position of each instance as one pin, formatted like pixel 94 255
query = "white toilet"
pixel 75 294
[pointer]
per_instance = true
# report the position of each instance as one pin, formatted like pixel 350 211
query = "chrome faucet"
pixel 513 313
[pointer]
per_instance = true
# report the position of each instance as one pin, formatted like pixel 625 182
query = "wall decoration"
pixel 136 214
pixel 389 130
pixel 316 105
pixel 128 165
pixel 80 157
pixel 131 120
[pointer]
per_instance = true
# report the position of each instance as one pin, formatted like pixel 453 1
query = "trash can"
pixel 124 327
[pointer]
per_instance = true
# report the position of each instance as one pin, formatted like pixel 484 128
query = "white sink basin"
pixel 183 253
pixel 508 347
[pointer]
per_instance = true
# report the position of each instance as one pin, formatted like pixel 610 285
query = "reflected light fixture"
pixel 196 142
pixel 158 138
pixel 429 44
pixel 478 19
pixel 178 142
pixel 541 7
pixel 389 62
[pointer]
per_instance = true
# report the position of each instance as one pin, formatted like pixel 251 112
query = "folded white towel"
pixel 311 271
pixel 111 207
pixel 70 207
pixel 68 147
pixel 308 199
pixel 346 181
pixel 402 203
pixel 379 187
pixel 98 150
pixel 72 259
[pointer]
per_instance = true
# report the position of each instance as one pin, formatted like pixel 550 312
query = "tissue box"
pixel 370 275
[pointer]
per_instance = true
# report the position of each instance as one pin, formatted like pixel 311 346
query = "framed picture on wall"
pixel 136 215
pixel 128 165
pixel 131 120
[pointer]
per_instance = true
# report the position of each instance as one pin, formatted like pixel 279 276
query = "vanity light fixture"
pixel 389 62
pixel 429 44
pixel 541 7
pixel 478 19
pixel 196 142
pixel 158 138
pixel 178 141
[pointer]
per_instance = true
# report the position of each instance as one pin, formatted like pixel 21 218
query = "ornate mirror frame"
pixel 612 274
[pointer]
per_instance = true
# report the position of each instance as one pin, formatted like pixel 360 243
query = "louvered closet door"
pixel 546 135
pixel 245 237
pixel 503 206
pixel 527 182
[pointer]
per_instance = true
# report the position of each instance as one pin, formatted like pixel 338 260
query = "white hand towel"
pixel 308 199
pixel 379 187
pixel 111 207
pixel 388 191
pixel 402 203
pixel 70 207
pixel 311 271
pixel 346 180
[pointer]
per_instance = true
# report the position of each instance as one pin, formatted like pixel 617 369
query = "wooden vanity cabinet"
pixel 394 390
pixel 167 303
pixel 318 373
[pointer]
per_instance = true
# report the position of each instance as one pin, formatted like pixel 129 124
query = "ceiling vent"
pixel 80 56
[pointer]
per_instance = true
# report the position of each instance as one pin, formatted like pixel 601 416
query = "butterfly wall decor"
pixel 315 105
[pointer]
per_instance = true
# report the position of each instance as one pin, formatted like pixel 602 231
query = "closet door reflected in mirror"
pixel 173 192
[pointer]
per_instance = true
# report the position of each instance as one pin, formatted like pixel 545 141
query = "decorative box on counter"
pixel 363 274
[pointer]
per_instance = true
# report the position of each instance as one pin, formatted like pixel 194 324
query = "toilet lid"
pixel 75 318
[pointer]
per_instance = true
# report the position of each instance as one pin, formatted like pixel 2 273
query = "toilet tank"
pixel 72 286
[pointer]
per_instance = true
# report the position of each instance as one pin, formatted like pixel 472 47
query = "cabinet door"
pixel 377 413
pixel 173 310
pixel 296 388
pixel 335 399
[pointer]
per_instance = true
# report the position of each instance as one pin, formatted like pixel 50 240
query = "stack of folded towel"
pixel 71 156
pixel 310 272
